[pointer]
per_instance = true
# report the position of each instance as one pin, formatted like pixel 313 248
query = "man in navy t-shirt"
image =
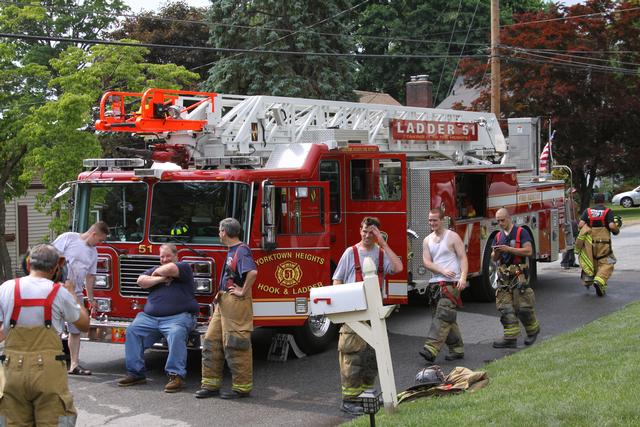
pixel 515 299
pixel 170 311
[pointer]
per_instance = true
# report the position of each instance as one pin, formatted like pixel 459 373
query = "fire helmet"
pixel 431 375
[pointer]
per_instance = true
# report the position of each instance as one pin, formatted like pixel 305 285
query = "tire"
pixel 316 335
pixel 626 202
pixel 482 287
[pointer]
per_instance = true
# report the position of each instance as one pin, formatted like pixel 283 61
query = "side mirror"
pixel 268 216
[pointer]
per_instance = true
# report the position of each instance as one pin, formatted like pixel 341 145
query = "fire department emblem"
pixel 288 274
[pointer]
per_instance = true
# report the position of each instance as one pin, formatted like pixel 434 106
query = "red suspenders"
pixel 46 303
pixel 356 262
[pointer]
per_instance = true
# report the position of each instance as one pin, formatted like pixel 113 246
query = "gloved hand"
pixel 617 220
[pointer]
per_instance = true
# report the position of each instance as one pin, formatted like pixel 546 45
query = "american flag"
pixel 545 156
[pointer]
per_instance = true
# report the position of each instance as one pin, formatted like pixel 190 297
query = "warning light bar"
pixel 112 163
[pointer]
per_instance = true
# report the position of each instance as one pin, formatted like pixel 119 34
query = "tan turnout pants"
pixel 36 390
pixel 228 338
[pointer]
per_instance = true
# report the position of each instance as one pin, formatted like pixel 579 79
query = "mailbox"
pixel 344 298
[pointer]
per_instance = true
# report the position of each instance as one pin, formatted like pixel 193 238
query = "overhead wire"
pixel 453 78
pixel 444 63
pixel 221 49
pixel 291 34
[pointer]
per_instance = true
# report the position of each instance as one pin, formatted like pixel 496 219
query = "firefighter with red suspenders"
pixel 515 299
pixel 444 255
pixel 601 223
pixel 33 310
pixel 358 367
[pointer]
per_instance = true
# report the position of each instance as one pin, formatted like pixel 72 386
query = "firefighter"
pixel 444 255
pixel 228 336
pixel 33 310
pixel 358 368
pixel 514 297
pixel 596 225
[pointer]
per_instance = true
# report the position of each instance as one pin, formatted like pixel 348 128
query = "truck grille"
pixel 131 268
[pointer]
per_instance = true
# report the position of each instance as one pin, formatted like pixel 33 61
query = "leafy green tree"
pixel 177 24
pixel 441 29
pixel 582 72
pixel 255 25
pixel 46 93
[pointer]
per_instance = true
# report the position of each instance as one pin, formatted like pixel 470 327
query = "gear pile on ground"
pixel 458 380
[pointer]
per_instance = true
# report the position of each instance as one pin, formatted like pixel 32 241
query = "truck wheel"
pixel 482 287
pixel 316 335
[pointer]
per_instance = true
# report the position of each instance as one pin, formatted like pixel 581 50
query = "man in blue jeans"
pixel 170 312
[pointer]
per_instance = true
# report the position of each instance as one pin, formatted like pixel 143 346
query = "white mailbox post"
pixel 359 305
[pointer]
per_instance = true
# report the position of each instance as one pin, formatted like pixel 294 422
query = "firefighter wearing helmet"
pixel 593 245
pixel 33 310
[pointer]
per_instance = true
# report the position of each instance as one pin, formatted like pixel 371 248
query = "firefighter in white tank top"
pixel 444 255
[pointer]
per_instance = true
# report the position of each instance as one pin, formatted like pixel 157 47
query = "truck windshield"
pixel 190 212
pixel 120 204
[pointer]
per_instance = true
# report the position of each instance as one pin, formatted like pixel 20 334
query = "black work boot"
pixel 505 343
pixel 530 339
pixel 427 355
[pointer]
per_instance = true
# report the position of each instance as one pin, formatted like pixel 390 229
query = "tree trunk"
pixel 5 260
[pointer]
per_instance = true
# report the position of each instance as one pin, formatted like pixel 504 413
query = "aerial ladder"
pixel 200 128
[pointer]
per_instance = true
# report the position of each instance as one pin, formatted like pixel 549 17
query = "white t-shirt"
pixel 64 309
pixel 81 258
pixel 346 269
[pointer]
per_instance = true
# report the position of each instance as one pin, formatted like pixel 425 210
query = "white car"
pixel 628 199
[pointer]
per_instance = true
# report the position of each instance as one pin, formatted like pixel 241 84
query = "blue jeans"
pixel 146 330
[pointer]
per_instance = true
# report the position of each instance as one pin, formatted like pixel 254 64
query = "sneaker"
pixel 530 339
pixel 427 355
pixel 205 393
pixel 454 356
pixel 351 408
pixel 505 343
pixel 175 384
pixel 599 289
pixel 233 395
pixel 130 380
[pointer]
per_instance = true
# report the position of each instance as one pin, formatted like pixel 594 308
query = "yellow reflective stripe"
pixel 532 328
pixel 351 391
pixel 600 281
pixel 242 388
pixel 215 382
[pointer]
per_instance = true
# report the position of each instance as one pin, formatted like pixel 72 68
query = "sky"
pixel 138 5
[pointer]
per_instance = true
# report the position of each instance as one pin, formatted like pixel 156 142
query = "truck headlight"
pixel 202 284
pixel 103 305
pixel 102 281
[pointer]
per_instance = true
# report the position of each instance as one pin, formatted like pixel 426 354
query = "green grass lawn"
pixel 627 214
pixel 588 377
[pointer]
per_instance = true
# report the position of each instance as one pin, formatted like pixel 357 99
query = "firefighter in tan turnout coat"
pixel 593 245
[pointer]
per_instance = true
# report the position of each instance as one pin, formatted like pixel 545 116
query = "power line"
pixel 225 50
pixel 564 55
pixel 444 63
pixel 572 65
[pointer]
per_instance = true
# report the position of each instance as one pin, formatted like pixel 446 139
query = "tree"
pixel 288 25
pixel 47 92
pixel 177 24
pixel 441 30
pixel 577 65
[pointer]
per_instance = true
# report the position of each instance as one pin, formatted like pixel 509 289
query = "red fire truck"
pixel 299 175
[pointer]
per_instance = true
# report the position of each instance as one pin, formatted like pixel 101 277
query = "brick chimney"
pixel 420 92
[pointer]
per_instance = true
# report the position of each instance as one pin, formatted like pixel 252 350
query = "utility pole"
pixel 495 59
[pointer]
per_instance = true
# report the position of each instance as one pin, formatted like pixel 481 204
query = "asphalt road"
pixel 306 391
